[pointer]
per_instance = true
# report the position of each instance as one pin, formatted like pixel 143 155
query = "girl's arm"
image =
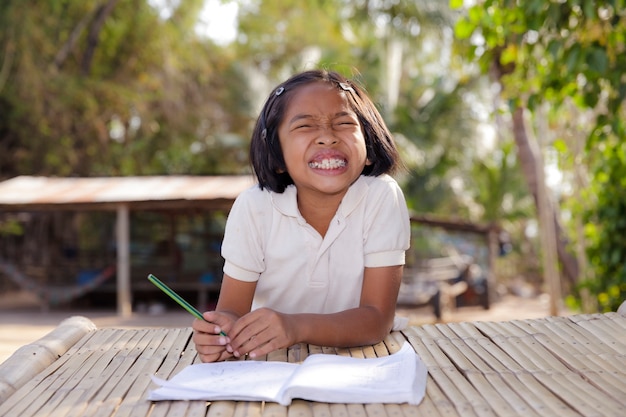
pixel 235 296
pixel 264 330
pixel 235 300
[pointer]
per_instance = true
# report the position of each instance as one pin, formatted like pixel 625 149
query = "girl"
pixel 315 252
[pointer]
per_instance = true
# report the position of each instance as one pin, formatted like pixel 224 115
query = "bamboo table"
pixel 556 366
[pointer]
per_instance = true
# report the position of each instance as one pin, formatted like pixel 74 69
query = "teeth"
pixel 328 164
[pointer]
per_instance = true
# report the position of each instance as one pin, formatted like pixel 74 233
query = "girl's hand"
pixel 261 332
pixel 210 344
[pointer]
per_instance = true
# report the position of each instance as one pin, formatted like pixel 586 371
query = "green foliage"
pixel 553 51
pixel 433 126
pixel 498 187
pixel 144 94
pixel 11 226
pixel 606 231
pixel 146 86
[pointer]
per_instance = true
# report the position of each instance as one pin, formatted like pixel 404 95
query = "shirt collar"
pixel 287 203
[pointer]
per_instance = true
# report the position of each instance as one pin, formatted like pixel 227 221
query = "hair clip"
pixel 279 91
pixel 346 87
pixel 263 134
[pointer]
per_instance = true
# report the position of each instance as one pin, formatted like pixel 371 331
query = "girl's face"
pixel 322 140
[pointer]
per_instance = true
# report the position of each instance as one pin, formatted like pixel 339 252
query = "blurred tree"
pixel 402 52
pixel 423 93
pixel 496 185
pixel 114 88
pixel 109 87
pixel 551 52
pixel 121 88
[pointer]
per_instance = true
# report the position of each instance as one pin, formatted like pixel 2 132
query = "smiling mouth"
pixel 326 163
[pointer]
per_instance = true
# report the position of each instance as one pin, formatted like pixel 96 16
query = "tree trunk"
pixel 529 164
pixel 567 260
pixel 533 168
pixel 94 34
pixel 71 41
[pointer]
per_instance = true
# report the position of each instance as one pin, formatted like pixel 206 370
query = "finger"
pixel 209 339
pixel 214 357
pixel 210 348
pixel 268 341
pixel 202 326
pixel 249 325
pixel 243 341
pixel 257 344
pixel 221 321
pixel 262 350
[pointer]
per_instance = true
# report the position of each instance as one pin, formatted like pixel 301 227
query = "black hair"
pixel 266 155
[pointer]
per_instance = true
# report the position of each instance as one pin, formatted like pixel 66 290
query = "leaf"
pixel 571 57
pixel 555 47
pixel 589 9
pixel 597 60
pixel 560 146
pixel 509 55
pixel 456 4
pixel 463 29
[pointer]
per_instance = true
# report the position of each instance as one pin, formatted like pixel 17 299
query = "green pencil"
pixel 180 300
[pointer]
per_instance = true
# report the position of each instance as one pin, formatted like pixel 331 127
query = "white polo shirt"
pixel 297 271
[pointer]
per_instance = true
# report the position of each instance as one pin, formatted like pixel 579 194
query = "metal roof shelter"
pixel 108 193
pixel 121 194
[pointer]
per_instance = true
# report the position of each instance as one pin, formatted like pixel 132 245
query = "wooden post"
pixel 124 303
pixel 493 244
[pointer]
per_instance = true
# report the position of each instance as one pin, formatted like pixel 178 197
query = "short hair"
pixel 266 156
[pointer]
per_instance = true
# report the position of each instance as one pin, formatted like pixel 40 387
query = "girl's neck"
pixel 318 211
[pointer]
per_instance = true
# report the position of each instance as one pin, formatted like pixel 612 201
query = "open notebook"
pixel 397 378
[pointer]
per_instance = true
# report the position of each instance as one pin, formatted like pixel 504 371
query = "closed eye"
pixel 345 123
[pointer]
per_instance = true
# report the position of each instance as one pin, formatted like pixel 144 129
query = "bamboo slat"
pixel 509 380
pixel 466 399
pixel 554 371
pixel 481 375
pixel 299 408
pixel 321 410
pixel 356 410
pixel 35 394
pixel 297 353
pixel 380 349
pixel 269 410
pixel 247 409
pixel 33 358
pixel 618 319
pixel 394 342
pixel 565 366
pixel 162 343
pixel 221 409
pixel 357 352
pixel 380 410
pixel 435 403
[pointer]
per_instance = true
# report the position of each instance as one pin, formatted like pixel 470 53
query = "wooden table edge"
pixel 31 359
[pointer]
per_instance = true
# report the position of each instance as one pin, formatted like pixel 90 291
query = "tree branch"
pixel 69 45
pixel 94 34
pixel 9 52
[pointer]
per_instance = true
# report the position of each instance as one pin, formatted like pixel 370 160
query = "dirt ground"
pixel 23 322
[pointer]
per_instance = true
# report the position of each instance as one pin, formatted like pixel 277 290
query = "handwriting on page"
pixel 233 379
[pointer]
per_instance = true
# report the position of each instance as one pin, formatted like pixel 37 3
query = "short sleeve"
pixel 242 247
pixel 387 229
